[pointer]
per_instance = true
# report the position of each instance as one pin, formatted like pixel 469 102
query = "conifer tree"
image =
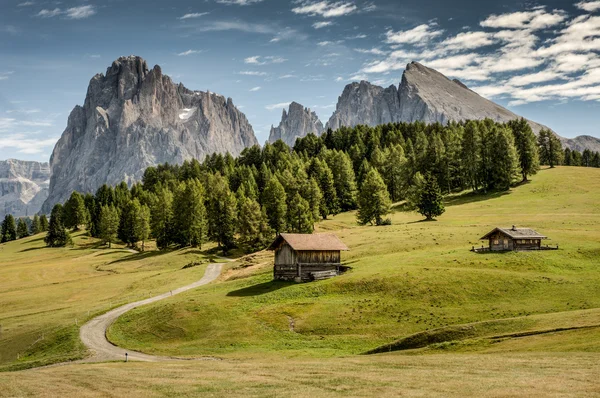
pixel 344 179
pixel 430 203
pixel 550 148
pixel 190 220
pixel 300 217
pixel 253 227
pixel 393 171
pixel 222 213
pixel 322 173
pixel 274 201
pixel 162 218
pixel 9 229
pixel 43 223
pixel 108 224
pixel 504 158
pixel 75 212
pixel 373 200
pixel 57 235
pixel 312 194
pixel 22 230
pixel 526 146
pixel 141 226
pixel 35 225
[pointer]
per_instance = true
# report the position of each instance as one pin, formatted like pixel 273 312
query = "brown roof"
pixel 516 233
pixel 302 242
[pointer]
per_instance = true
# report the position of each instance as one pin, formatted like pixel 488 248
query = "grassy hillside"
pixel 407 278
pixel 46 294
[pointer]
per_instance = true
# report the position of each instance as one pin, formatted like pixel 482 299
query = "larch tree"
pixel 22 230
pixel 43 223
pixel 75 212
pixel 35 225
pixel 108 224
pixel 300 217
pixel 430 203
pixel 526 146
pixel 274 202
pixel 550 148
pixel 253 226
pixel 9 229
pixel 162 218
pixel 190 219
pixel 504 158
pixel 222 213
pixel 57 235
pixel 373 200
pixel 141 226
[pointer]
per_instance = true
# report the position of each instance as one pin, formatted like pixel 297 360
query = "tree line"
pixel 245 201
pixel 12 229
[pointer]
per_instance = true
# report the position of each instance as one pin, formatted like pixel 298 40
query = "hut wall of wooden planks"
pixel 513 239
pixel 306 257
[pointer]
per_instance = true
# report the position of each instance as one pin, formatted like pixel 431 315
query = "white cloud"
pixel 281 105
pixel 239 2
pixel 259 60
pixel 5 75
pixel 254 89
pixel 25 145
pixel 589 6
pixel 80 12
pixel 374 51
pixel 26 4
pixel 539 77
pixel 189 52
pixel 468 40
pixel 419 36
pixel 193 15
pixel 252 73
pixel 535 19
pixel 288 76
pixel 325 9
pixel 322 24
pixel 358 36
pixel 329 43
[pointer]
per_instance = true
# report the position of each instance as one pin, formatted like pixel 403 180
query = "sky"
pixel 540 59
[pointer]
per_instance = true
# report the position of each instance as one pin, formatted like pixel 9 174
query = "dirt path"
pixel 93 333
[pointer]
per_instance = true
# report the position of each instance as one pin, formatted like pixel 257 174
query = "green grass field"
pixel 406 278
pixel 459 323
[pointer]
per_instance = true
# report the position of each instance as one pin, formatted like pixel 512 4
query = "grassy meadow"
pixel 458 323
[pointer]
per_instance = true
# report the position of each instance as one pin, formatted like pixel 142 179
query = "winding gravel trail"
pixel 93 333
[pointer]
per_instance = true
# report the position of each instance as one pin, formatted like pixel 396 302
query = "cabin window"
pixel 506 241
pixel 496 241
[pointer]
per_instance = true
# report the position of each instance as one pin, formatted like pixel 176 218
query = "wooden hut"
pixel 307 257
pixel 507 239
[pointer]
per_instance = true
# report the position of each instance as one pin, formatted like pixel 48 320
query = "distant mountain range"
pixel 23 187
pixel 134 117
pixel 423 94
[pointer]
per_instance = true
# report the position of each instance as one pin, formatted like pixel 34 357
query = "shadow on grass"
pixel 261 288
pixel 88 246
pixel 32 249
pixel 138 256
pixel 34 240
pixel 473 197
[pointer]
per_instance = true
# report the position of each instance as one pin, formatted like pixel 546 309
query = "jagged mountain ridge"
pixel 133 118
pixel 23 187
pixel 297 122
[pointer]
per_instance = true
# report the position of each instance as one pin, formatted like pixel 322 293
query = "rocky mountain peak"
pixel 297 122
pixel 23 187
pixel 134 117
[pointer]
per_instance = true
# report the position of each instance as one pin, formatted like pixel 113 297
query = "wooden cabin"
pixel 514 239
pixel 307 257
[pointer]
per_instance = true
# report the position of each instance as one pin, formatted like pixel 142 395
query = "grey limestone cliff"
pixel 133 118
pixel 23 187
pixel 297 122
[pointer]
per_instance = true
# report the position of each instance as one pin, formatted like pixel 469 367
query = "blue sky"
pixel 540 59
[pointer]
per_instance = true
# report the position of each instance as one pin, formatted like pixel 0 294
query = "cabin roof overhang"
pixel 309 242
pixel 515 233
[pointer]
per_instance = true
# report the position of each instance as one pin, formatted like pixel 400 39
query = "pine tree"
pixel 430 203
pixel 22 230
pixel 253 227
pixel 222 213
pixel 162 218
pixel 9 229
pixel 322 173
pixel 108 224
pixel 274 201
pixel 550 148
pixel 300 217
pixel 527 150
pixel 57 235
pixel 344 179
pixel 43 223
pixel 373 200
pixel 75 212
pixel 35 225
pixel 393 170
pixel 312 194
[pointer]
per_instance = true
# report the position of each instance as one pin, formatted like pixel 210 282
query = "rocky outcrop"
pixel 426 95
pixel 365 103
pixel 297 122
pixel 133 118
pixel 23 187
